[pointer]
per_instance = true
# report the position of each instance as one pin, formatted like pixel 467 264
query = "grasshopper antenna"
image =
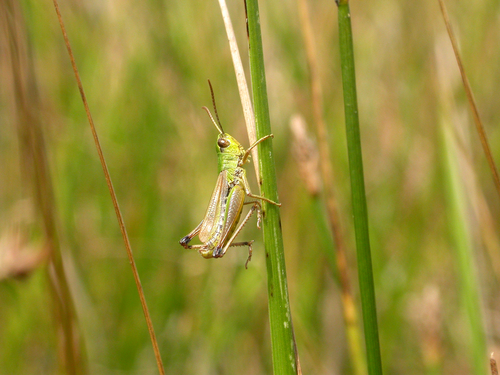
pixel 215 109
pixel 212 118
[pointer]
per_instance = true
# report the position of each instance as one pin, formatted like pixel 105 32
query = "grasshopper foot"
pixel 184 241
pixel 249 254
pixel 218 252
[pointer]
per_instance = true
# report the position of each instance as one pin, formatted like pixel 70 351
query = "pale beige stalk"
pixel 242 84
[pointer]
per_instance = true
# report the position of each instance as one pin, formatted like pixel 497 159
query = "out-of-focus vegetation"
pixel 144 66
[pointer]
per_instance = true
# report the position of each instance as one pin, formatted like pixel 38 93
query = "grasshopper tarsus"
pixel 277 204
pixel 259 218
pixel 218 252
pixel 184 241
pixel 249 254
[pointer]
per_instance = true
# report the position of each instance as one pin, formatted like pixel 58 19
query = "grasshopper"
pixel 219 228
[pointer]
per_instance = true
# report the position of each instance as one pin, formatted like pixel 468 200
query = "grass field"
pixel 433 210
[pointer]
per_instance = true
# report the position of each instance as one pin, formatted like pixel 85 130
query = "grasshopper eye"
pixel 223 143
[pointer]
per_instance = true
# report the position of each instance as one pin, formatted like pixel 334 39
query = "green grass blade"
pixel 358 191
pixel 461 233
pixel 285 360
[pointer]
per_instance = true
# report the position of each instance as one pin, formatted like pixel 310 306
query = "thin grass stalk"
pixel 460 233
pixel 284 350
pixel 459 185
pixel 470 98
pixel 365 272
pixel 114 200
pixel 36 170
pixel 349 309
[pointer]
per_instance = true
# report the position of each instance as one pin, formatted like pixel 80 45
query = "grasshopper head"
pixel 226 144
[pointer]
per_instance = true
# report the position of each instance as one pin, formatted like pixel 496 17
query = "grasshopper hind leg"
pixel 187 239
pixel 219 252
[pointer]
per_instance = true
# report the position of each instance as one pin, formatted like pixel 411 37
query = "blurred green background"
pixel 144 66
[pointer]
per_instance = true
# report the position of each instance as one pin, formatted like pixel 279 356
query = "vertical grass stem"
pixel 285 358
pixel 460 232
pixel 358 191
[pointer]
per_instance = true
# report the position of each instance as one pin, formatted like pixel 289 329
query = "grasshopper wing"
pixel 215 206
pixel 235 201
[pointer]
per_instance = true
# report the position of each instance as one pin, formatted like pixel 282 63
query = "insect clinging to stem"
pixel 219 228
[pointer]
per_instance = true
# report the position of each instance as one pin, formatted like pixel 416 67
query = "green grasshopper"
pixel 219 228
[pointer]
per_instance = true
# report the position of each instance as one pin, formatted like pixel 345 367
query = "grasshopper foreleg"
pixel 264 199
pixel 247 152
